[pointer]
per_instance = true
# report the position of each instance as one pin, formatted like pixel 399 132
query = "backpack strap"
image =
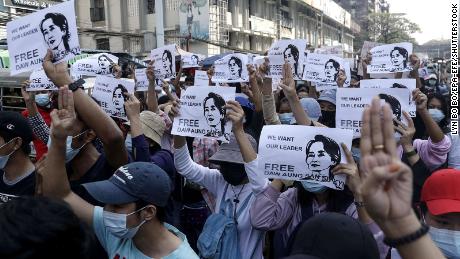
pixel 222 201
pixel 243 205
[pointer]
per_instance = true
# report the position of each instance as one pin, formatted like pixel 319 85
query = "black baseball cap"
pixel 133 182
pixel 13 125
pixel 333 236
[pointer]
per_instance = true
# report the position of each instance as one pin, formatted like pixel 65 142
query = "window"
pixel 97 11
pixel 133 8
pixel 150 6
pixel 103 44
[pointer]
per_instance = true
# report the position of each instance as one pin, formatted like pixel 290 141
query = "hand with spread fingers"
pixel 407 132
pixel 235 113
pixel 149 71
pixel 387 184
pixel 57 73
pixel 64 119
pixel 288 83
pixel 350 169
pixel 29 97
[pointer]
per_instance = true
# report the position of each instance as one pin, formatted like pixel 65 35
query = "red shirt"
pixel 40 147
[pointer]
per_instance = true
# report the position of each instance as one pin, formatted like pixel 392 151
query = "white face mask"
pixel 448 241
pixel 116 224
pixel 70 153
pixel 437 115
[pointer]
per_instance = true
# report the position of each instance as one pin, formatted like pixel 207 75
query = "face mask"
pixel 129 142
pixel 328 118
pixel 448 241
pixel 436 114
pixel 42 99
pixel 432 82
pixel 70 153
pixel 116 224
pixel 233 174
pixel 286 118
pixel 4 159
pixel 356 153
pixel 313 187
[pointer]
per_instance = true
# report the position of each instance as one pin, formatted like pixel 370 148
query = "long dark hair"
pixel 394 104
pixel 219 102
pixel 403 52
pixel 337 201
pixel 168 56
pixel 123 90
pixel 61 22
pixel 336 65
pixel 330 146
pixel 238 63
pixel 444 108
pixel 295 53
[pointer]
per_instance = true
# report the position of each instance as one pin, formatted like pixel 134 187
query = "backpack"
pixel 219 238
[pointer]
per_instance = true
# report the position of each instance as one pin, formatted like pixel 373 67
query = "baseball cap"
pixel 333 236
pixel 311 107
pixel 244 102
pixel 328 95
pixel 153 126
pixel 132 182
pixel 230 152
pixel 13 125
pixel 441 192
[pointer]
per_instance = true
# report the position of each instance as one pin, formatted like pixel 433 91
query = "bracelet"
pixel 411 153
pixel 407 239
pixel 358 204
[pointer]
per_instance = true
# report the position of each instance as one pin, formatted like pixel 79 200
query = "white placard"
pixel 142 82
pixel 99 64
pixel 351 103
pixel 39 82
pixel 191 59
pixel 324 70
pixel 330 50
pixel 367 46
pixel 258 60
pixel 290 51
pixel 390 58
pixel 201 78
pixel 409 84
pixel 298 152
pixel 109 92
pixel 231 69
pixel 165 61
pixel 202 112
pixel 30 37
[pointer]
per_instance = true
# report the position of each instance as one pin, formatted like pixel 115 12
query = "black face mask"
pixel 327 118
pixel 233 174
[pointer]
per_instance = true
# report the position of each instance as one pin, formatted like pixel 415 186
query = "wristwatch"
pixel 77 84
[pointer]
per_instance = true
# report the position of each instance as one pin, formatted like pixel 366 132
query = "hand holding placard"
pixel 57 73
pixel 235 113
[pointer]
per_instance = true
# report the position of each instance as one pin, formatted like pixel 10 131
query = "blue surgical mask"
pixel 116 224
pixel 42 99
pixel 448 241
pixel 313 187
pixel 356 153
pixel 286 118
pixel 436 114
pixel 70 153
pixel 4 159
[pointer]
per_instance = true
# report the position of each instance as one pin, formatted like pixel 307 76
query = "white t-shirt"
pixel 125 248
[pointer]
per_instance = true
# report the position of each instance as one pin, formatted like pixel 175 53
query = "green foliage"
pixel 391 28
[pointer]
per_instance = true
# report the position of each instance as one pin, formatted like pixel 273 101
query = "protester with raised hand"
pixel 131 223
pixel 229 228
pixel 387 187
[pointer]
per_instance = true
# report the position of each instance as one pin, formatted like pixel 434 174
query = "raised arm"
pixel 54 181
pixel 288 86
pixel 432 128
pixel 387 188
pixel 268 99
pixel 152 100
pixel 236 114
pixel 415 63
pixel 91 114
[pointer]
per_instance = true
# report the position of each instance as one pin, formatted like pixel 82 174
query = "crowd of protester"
pixel 105 188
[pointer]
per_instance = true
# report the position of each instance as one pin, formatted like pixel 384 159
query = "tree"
pixel 391 28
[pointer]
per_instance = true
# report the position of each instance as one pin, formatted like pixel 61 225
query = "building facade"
pixel 242 25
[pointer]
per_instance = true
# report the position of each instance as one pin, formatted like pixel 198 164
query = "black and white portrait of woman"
pixel 167 60
pixel 399 58
pixel 105 65
pixel 214 113
pixel 235 67
pixel 322 155
pixel 291 55
pixel 194 60
pixel 119 98
pixel 394 104
pixel 331 71
pixel 55 30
